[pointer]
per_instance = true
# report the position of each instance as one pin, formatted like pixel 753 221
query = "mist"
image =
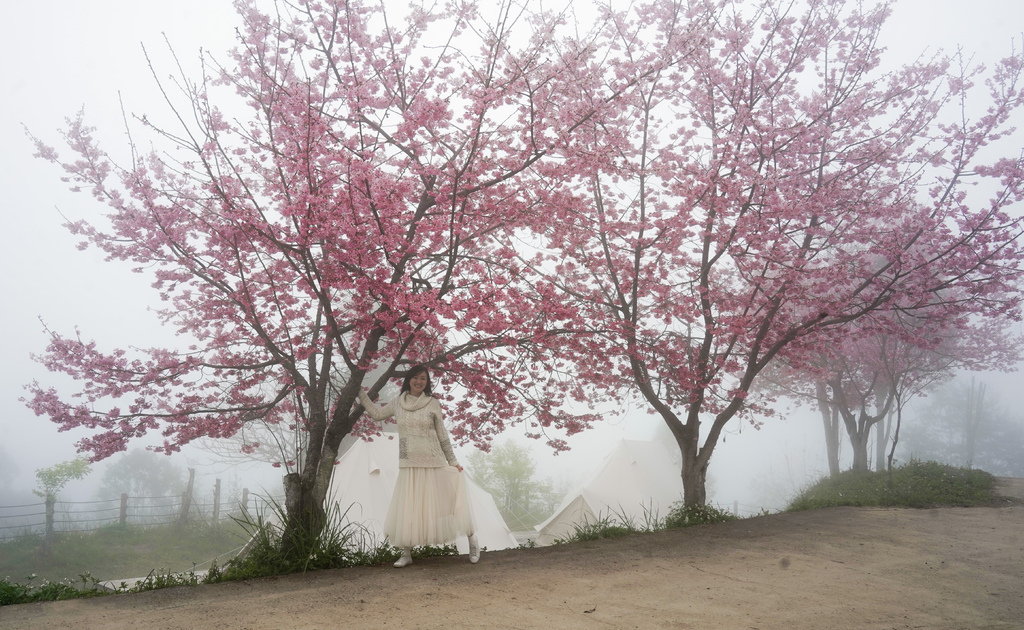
pixel 87 55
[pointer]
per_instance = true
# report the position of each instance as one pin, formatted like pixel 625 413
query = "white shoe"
pixel 474 550
pixel 406 558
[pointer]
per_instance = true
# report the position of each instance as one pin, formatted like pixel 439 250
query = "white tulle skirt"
pixel 430 506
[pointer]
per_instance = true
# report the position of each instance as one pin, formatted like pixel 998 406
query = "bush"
pixel 603 527
pixel 46 591
pixel 616 524
pixel 683 516
pixel 339 544
pixel 916 484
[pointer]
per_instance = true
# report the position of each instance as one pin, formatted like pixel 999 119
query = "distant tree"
pixel 963 423
pixel 9 493
pixel 548 495
pixel 862 380
pixel 507 472
pixel 8 469
pixel 479 468
pixel 141 473
pixel 53 479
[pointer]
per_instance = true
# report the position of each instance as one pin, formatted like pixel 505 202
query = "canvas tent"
pixel 364 481
pixel 637 476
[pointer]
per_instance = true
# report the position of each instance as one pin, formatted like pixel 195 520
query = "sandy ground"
pixel 835 568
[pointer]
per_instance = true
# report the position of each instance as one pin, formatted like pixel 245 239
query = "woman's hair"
pixel 413 372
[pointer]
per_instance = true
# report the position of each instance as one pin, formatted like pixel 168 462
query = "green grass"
pixel 341 544
pixel 171 556
pixel 683 516
pixel 604 527
pixel 120 551
pixel 916 484
pixel 26 592
pixel 618 524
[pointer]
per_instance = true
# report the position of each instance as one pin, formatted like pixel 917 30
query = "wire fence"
pixel 31 519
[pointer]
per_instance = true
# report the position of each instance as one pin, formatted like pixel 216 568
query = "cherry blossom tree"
pixel 964 423
pixel 861 378
pixel 775 184
pixel 349 213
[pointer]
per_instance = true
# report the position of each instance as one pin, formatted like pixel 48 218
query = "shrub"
pixel 916 484
pixel 687 516
pixel 341 543
pixel 46 591
pixel 616 524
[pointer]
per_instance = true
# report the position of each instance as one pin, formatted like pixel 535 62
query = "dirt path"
pixel 835 568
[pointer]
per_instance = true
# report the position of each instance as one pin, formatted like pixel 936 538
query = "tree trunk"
pixel 694 482
pixel 186 497
pixel 305 492
pixel 859 424
pixel 51 501
pixel 830 420
pixel 895 440
pixel 859 442
pixel 972 420
pixel 694 468
pixel 882 432
pixel 305 515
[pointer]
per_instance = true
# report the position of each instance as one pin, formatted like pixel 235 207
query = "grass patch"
pixel 46 591
pixel 615 524
pixel 341 544
pixel 110 553
pixel 119 551
pixel 683 516
pixel 618 524
pixel 602 528
pixel 916 484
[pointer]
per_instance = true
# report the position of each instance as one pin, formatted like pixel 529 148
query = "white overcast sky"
pixel 63 55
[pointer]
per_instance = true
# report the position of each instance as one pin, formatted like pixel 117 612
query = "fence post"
pixel 245 502
pixel 186 496
pixel 124 508
pixel 736 508
pixel 48 535
pixel 216 501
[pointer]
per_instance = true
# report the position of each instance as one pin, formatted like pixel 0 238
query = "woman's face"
pixel 418 383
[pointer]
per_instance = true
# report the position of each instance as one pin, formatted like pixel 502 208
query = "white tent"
pixel 364 481
pixel 637 479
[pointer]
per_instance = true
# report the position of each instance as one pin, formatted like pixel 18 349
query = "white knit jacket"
pixel 423 441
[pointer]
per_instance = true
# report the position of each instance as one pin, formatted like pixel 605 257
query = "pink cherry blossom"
pixel 359 216
pixel 768 189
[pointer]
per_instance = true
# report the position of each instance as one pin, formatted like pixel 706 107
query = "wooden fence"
pixel 48 517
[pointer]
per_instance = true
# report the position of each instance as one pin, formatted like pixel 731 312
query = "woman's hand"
pixel 459 467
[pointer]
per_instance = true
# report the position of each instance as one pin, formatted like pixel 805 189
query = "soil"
pixel 939 568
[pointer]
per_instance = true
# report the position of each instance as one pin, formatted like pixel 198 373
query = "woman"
pixel 429 506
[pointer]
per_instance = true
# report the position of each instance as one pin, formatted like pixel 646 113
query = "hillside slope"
pixel 834 568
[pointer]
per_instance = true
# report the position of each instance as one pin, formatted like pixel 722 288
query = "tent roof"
pixel 636 481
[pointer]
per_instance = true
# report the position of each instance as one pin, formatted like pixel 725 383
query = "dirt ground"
pixel 835 568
